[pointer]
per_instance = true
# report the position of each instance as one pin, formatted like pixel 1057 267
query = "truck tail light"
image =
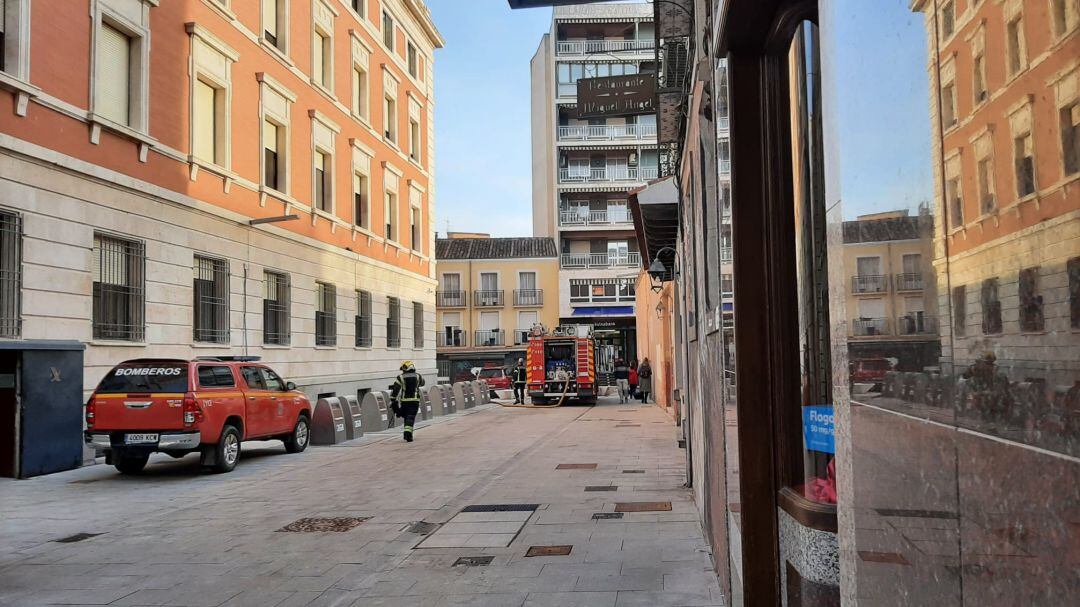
pixel 91 411
pixel 193 413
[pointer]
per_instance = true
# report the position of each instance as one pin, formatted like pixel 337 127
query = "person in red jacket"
pixel 633 378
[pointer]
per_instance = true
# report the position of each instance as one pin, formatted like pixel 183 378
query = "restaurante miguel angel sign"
pixel 616 95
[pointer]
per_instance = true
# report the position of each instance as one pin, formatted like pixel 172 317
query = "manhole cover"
pixel 633 472
pixel 474 561
pixel 601 488
pixel 576 467
pixel 319 525
pixel 422 528
pixel 549 550
pixel 78 537
pixel 643 507
pixel 603 516
pixel 501 508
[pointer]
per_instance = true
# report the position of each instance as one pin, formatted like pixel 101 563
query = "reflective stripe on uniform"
pixel 408 428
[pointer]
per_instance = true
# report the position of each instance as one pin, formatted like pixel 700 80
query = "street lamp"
pixel 657 269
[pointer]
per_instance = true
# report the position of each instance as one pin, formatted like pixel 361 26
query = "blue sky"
pixel 483 158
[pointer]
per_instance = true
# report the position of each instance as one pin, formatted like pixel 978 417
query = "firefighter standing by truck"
pixel 406 394
pixel 520 376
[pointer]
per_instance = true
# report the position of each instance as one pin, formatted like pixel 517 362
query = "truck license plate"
pixel 140 439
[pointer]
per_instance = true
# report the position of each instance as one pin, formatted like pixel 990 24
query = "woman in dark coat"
pixel 645 379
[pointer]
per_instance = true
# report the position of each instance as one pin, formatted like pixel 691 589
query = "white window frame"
pixel 322 26
pixel 391 128
pixel 416 210
pixel 281 7
pixel 361 62
pixel 1060 29
pixel 211 62
pixel 1066 94
pixel 276 107
pixel 361 167
pixel 1015 12
pixel 323 141
pixel 117 14
pixel 392 186
pixel 16 50
pixel 382 30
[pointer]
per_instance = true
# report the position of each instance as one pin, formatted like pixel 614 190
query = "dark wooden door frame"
pixel 755 38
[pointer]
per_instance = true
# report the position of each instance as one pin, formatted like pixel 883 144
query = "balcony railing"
pixel 450 299
pixel 606 174
pixel 487 299
pixel 588 47
pixel 607 132
pixel 869 283
pixel 862 327
pixel 454 338
pixel 915 324
pixel 528 297
pixel 600 260
pixel 727 254
pixel 909 281
pixel 521 336
pixel 494 337
pixel 612 215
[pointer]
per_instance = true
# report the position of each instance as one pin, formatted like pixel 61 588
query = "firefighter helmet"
pixel 408 366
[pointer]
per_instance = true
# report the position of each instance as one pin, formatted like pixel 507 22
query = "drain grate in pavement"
pixel 320 525
pixel 627 425
pixel 422 528
pixel 576 467
pixel 501 508
pixel 549 551
pixel 78 537
pixel 601 488
pixel 633 472
pixel 603 516
pixel 643 507
pixel 474 561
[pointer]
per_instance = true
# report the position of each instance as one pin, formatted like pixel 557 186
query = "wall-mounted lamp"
pixel 657 269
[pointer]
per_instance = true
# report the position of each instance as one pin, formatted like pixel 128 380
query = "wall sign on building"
pixel 616 95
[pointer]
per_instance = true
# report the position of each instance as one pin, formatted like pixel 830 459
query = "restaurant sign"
pixel 616 95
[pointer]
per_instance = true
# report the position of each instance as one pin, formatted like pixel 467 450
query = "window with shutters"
pixel 322 59
pixel 361 200
pixel 112 75
pixel 412 58
pixel 119 271
pixel 418 324
pixel 273 175
pixel 414 228
pixel 1015 47
pixel 275 134
pixel 210 92
pixel 276 309
pixel 1070 137
pixel 10 273
pixel 275 23
pixel 207 133
pixel 390 115
pixel 361 95
pixel 363 319
pixel 393 323
pixel 991 307
pixel 211 300
pixel 959 311
pixel 1024 164
pixel 390 214
pixel 1031 302
pixel 323 172
pixel 388 31
pixel 325 314
pixel 414 140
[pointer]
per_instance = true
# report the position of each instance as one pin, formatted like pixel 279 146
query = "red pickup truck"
pixel 207 405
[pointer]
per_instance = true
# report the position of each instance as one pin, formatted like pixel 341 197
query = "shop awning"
pixel 656 220
pixel 612 311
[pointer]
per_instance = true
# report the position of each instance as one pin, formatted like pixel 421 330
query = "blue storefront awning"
pixel 613 311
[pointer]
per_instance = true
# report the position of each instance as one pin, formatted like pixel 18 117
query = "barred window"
pixel 393 323
pixel 418 324
pixel 211 302
pixel 363 319
pixel 119 289
pixel 276 317
pixel 10 274
pixel 991 307
pixel 326 315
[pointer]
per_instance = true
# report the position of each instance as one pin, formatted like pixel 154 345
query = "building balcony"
pixel 869 283
pixel 582 217
pixel 867 327
pixel 521 336
pixel 572 261
pixel 602 291
pixel 450 299
pixel 452 338
pixel 916 324
pixel 490 338
pixel 607 132
pixel 724 167
pixel 580 48
pixel 488 299
pixel 606 174
pixel 528 297
pixel 727 254
pixel 909 281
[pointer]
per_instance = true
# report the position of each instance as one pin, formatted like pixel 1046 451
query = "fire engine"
pixel 561 366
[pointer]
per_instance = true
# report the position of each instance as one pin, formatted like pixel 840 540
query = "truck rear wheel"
pixel 228 450
pixel 130 463
pixel 298 440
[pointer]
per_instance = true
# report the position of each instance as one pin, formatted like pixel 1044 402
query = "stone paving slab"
pixel 176 535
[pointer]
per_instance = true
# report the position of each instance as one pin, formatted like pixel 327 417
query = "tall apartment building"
pixel 583 168
pixel 221 177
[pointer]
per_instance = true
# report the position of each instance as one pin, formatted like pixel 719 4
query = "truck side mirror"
pixel 290 386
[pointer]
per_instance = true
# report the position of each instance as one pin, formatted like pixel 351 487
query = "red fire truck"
pixel 562 366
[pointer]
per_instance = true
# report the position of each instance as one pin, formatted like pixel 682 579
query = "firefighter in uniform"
pixel 520 375
pixel 406 393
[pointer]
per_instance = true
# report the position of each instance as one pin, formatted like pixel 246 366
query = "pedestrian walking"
pixel 406 393
pixel 622 379
pixel 520 375
pixel 645 379
pixel 633 379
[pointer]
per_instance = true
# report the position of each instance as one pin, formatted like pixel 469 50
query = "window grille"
pixel 393 323
pixel 276 317
pixel 10 273
pixel 326 315
pixel 363 319
pixel 119 289
pixel 211 300
pixel 418 324
pixel 959 311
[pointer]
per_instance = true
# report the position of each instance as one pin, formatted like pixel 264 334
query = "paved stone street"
pixel 180 536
